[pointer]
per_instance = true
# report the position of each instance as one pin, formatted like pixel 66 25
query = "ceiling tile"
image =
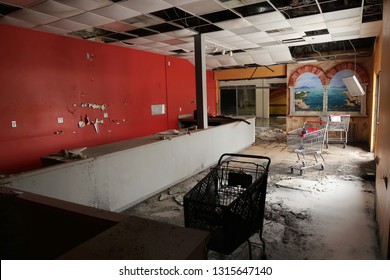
pixel 119 36
pixel 245 30
pixel 68 25
pixel 143 21
pixel 244 44
pixel 145 6
pixel 159 37
pixel 262 58
pixel 243 58
pixel 281 56
pixel 220 34
pixel 91 19
pixel 256 35
pixel 266 18
pixel 138 41
pixel 345 28
pixel 233 23
pixel 49 29
pixel 201 7
pixel 344 22
pixel 308 27
pixel 16 22
pixel 86 5
pixel 306 20
pixel 56 9
pixel 155 45
pixel 212 62
pixel 33 17
pixel 273 25
pixel 226 60
pixel 88 33
pixel 318 39
pixel 357 12
pixel 116 12
pixel 230 39
pixel 179 2
pixel 174 42
pixel 118 26
pixel 181 33
pixel 370 29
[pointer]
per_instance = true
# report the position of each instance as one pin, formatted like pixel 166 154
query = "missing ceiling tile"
pixel 8 9
pixel 317 32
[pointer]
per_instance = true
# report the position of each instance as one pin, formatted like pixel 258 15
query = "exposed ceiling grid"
pixel 239 33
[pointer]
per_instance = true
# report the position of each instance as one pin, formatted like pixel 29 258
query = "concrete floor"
pixel 322 214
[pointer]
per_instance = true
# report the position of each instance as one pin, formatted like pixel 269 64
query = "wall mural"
pixel 339 99
pixel 314 91
pixel 308 93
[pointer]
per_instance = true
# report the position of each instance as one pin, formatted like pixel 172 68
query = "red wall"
pixel 45 76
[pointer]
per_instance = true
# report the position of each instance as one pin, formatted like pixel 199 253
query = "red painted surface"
pixel 45 76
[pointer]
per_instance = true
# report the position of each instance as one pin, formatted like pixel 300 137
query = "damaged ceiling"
pixel 239 33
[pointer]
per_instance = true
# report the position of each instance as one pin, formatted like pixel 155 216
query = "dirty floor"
pixel 322 214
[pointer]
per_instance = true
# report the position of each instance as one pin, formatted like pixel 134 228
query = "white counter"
pixel 119 175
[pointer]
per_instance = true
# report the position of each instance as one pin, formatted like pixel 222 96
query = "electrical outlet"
pixel 60 120
pixel 105 115
pixel 13 124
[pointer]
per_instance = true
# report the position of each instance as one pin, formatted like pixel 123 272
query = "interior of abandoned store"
pixel 113 111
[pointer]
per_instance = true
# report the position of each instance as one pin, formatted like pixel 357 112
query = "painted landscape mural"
pixel 308 93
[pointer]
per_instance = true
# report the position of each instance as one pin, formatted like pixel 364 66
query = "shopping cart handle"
pixel 245 156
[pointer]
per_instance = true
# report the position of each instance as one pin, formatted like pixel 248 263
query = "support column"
pixel 201 89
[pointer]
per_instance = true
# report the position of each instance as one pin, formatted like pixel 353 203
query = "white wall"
pixel 117 180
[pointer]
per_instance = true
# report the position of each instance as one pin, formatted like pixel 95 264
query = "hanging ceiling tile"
pixel 145 6
pixel 371 29
pixel 273 25
pixel 212 62
pixel 318 39
pixel 181 33
pixel 179 2
pixel 159 37
pixel 220 34
pixel 201 7
pixel 226 60
pixel 17 22
pixel 281 56
pixel 138 41
pixel 262 58
pixel 143 21
pixel 356 12
pixel 243 58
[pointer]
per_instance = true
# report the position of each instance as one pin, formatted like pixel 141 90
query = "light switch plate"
pixel 60 120
pixel 13 124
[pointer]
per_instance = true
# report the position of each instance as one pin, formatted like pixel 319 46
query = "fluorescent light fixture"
pixel 353 85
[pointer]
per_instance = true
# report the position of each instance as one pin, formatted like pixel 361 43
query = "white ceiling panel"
pixel 33 17
pixel 369 29
pixel 230 39
pixel 342 29
pixel 344 22
pixel 233 24
pixel 201 7
pixel 246 30
pixel 57 9
pixel 276 48
pixel 281 56
pixel 118 26
pixel 186 46
pixel 116 12
pixel 219 34
pixel 310 27
pixel 91 19
pixel 244 44
pixel 145 6
pixel 306 20
pixel 181 33
pixel 318 39
pixel 226 60
pixel 266 18
pixel 159 37
pixel 342 14
pixel 212 62
pixel 288 36
pixel 273 25
pixel 262 58
pixel 139 41
pixel 243 58
pixel 256 35
pixel 86 5
pixel 263 40
pixel 179 2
